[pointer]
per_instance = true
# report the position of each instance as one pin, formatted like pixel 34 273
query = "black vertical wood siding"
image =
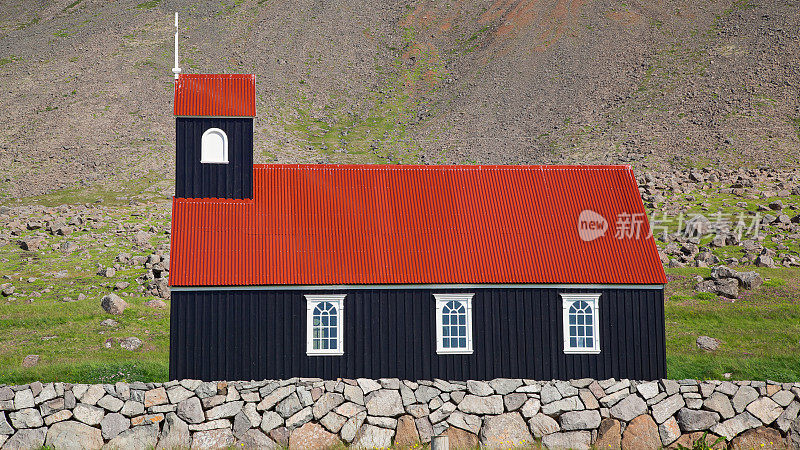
pixel 194 179
pixel 517 333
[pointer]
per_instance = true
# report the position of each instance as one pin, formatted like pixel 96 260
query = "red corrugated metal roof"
pixel 232 95
pixel 333 224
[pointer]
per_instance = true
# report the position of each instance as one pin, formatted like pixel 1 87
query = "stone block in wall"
pixel 641 432
pixel 694 420
pixel 505 430
pixel 576 440
pixel 384 402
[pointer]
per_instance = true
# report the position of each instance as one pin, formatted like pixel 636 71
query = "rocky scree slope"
pixel 87 89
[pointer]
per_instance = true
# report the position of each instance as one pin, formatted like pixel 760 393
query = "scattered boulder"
pixel 708 344
pixel 113 304
pixel 155 303
pixel 131 343
pixel 30 361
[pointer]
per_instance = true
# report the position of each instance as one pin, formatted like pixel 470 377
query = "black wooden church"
pixel 416 272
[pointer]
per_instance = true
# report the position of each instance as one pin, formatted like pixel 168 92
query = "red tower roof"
pixel 333 224
pixel 215 95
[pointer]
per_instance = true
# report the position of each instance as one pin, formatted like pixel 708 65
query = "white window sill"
pixel 324 354
pixel 454 352
pixel 214 162
pixel 581 351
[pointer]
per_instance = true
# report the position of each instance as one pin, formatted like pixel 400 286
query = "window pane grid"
pixel 324 332
pixel 454 325
pixel 580 325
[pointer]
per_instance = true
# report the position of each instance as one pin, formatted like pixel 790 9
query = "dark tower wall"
pixel 518 333
pixel 194 179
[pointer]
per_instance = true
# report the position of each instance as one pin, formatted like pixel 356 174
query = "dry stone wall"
pixel 365 413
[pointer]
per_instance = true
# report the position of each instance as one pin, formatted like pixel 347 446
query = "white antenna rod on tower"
pixel 176 70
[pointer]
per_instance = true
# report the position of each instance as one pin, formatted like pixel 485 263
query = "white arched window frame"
pixel 454 323
pixel 214 147
pixel 580 322
pixel 324 325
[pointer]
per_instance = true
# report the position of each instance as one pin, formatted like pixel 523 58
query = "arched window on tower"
pixel 214 147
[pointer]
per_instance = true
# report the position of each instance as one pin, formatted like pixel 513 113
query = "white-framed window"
pixel 580 322
pixel 453 323
pixel 324 317
pixel 214 147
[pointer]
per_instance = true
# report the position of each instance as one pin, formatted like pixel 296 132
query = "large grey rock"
pixel 327 402
pixel 114 424
pixel 784 421
pixel 472 404
pixel 5 427
pixel 442 413
pixel 26 418
pixel 370 436
pixel 133 408
pixel 299 418
pixel 572 440
pixel 175 433
pixel 271 420
pixel 141 437
pixel 289 406
pixel 580 420
pixel 743 397
pixel 628 408
pixel 696 420
pixel 793 437
pixel 531 407
pixel 561 406
pixel 549 394
pixel 669 431
pixel 479 388
pixel 92 394
pixel 255 439
pixel 505 386
pixel 505 430
pixel 275 396
pixel 368 385
pixel 113 304
pixel 28 438
pixel 178 394
pixel 353 424
pixel 110 403
pixel 385 402
pixel 213 439
pixel 736 425
pixel 648 390
pixel 191 411
pixel 425 394
pixel 333 422
pixel 611 399
pixel 514 400
pixel 225 410
pixel 765 409
pixel 466 422
pixel 667 407
pixel 24 399
pixel 71 435
pixel 720 403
